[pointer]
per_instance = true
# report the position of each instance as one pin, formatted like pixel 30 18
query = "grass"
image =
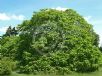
pixel 97 73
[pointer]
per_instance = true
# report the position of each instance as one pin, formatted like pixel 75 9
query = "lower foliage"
pixel 79 60
pixel 84 60
pixel 6 66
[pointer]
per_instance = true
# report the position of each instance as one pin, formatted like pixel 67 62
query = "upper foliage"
pixel 53 30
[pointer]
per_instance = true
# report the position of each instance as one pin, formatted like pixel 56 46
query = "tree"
pixel 53 40
pixel 10 31
pixel 52 31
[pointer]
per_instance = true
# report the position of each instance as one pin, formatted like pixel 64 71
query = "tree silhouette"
pixel 10 31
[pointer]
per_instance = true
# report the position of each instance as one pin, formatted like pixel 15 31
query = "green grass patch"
pixel 97 73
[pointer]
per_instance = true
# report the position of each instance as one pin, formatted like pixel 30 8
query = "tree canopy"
pixel 53 40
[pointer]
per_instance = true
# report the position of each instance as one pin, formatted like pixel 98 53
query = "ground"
pixel 97 73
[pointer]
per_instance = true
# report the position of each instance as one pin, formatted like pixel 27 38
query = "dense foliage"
pixel 53 42
pixel 101 48
pixel 6 66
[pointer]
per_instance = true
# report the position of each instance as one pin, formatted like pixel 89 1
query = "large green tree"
pixel 50 31
pixel 53 40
